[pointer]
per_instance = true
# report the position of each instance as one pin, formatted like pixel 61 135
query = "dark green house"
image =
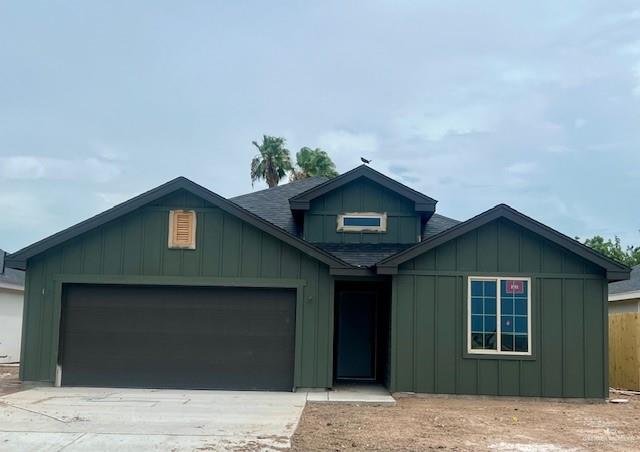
pixel 311 283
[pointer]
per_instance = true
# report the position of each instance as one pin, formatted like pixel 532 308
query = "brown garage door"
pixel 178 337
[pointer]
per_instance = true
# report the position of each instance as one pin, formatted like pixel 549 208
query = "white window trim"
pixel 498 279
pixel 380 215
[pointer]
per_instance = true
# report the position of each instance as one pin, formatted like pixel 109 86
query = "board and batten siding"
pixel 361 195
pixel 569 314
pixel 136 245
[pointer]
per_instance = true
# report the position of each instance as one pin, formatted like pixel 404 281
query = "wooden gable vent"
pixel 182 229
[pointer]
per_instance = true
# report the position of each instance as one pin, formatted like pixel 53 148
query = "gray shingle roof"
pixel 10 276
pixel 272 204
pixel 630 285
pixel 436 224
pixel 363 254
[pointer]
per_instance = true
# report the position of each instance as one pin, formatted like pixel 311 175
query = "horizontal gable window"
pixel 499 315
pixel 362 222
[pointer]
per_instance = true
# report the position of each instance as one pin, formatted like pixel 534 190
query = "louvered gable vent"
pixel 182 229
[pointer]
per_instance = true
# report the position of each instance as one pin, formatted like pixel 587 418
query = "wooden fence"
pixel 624 351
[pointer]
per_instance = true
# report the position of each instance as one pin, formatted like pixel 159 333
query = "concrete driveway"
pixel 80 419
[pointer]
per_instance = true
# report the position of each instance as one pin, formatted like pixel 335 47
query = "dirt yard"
pixel 471 424
pixel 9 379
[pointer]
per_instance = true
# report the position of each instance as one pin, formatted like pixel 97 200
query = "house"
pixel 11 296
pixel 624 296
pixel 313 283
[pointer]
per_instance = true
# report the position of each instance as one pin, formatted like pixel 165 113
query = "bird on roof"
pixel 365 161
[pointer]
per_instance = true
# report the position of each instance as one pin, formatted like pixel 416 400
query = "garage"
pixel 177 337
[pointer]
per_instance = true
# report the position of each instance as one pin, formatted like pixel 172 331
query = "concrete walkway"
pixel 354 395
pixel 81 419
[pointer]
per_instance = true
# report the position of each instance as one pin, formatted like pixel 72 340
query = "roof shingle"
pixel 9 275
pixel 630 285
pixel 272 204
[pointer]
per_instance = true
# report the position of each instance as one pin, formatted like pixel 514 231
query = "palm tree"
pixel 272 162
pixel 313 162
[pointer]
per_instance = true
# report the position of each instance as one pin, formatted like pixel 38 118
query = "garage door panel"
pixel 228 338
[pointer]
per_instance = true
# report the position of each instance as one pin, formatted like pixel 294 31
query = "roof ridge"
pixel 278 187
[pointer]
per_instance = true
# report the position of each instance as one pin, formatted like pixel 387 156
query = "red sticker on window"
pixel 515 287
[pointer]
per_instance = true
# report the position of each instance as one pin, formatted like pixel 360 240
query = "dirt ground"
pixel 471 424
pixel 9 380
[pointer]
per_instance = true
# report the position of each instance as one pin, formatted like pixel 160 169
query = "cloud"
pixel 29 215
pixel 522 168
pixel 33 168
pixel 110 199
pixel 636 73
pixel 346 147
pixel 557 148
pixel 438 126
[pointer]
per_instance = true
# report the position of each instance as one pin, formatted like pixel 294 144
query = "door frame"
pixel 382 283
pixel 276 283
pixel 336 338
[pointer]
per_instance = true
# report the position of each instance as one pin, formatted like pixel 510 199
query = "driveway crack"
pixel 70 443
pixel 2 402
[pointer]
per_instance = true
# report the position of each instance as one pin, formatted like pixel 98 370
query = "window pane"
pixel 520 325
pixel 507 324
pixel 490 288
pixel 476 341
pixel 483 315
pixel 476 289
pixel 506 306
pixel 520 306
pixel 476 323
pixel 490 323
pixel 361 221
pixel 506 342
pixel 514 315
pixel 476 305
pixel 490 341
pixel 490 306
pixel 521 343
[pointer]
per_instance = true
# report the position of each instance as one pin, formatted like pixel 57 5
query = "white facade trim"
pixel 16 287
pixel 624 295
pixel 497 351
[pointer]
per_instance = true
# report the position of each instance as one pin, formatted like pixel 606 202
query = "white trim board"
pixel 624 296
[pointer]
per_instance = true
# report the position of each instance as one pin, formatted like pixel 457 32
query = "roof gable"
pixel 422 203
pixel 272 204
pixel 615 271
pixel 632 286
pixel 19 259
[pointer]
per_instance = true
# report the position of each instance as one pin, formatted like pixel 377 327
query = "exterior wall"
pixel 569 319
pixel 10 325
pixel 622 306
pixel 136 246
pixel 361 195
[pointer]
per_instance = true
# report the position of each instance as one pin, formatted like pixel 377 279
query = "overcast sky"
pixel 472 103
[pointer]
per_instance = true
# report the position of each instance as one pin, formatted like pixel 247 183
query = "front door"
pixel 356 320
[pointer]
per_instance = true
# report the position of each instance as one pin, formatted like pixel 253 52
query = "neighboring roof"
pixel 436 224
pixel 18 260
pixel 272 204
pixel 423 203
pixel 363 254
pixel 615 271
pixel 9 277
pixel 624 290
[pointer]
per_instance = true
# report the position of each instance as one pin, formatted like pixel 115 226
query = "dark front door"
pixel 356 335
pixel 178 337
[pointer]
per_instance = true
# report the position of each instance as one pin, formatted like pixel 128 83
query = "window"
pixel 499 315
pixel 362 222
pixel 182 229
